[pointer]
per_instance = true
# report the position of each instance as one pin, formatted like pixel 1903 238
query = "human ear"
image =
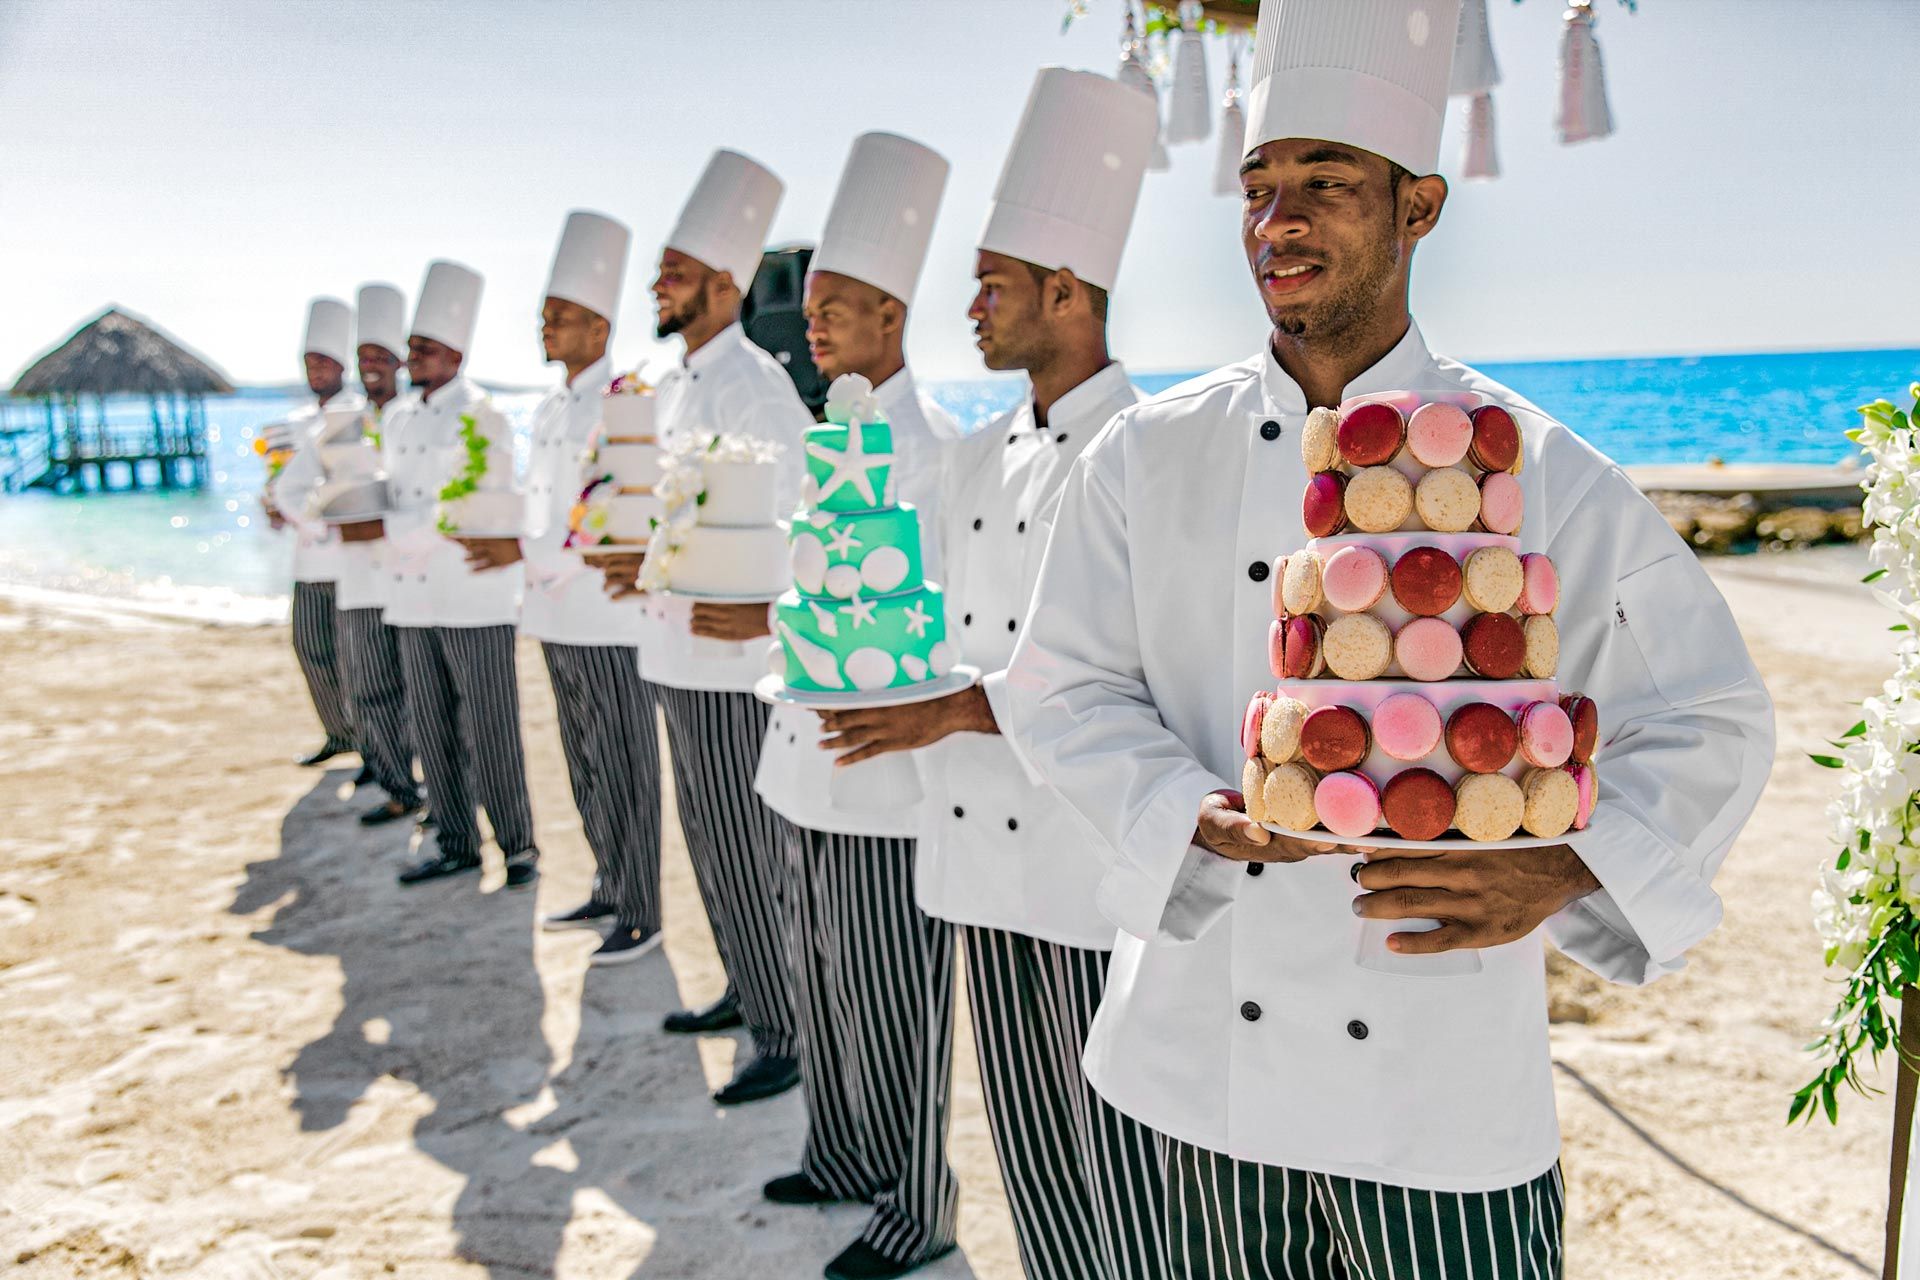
pixel 1421 201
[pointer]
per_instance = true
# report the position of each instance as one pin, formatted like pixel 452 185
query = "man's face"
pixel 848 323
pixel 1009 324
pixel 430 364
pixel 1324 230
pixel 679 293
pixel 325 375
pixel 379 371
pixel 572 334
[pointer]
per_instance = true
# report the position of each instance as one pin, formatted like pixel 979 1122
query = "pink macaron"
pixel 1427 649
pixel 1354 578
pixel 1301 657
pixel 1438 435
pixel 1501 504
pixel 1323 506
pixel 1540 590
pixel 1279 581
pixel 1406 726
pixel 1348 804
pixel 1588 789
pixel 1546 735
pixel 1250 723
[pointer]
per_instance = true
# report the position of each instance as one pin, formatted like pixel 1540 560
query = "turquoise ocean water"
pixel 210 552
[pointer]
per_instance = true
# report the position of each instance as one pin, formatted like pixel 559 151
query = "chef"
pixel 715 726
pixel 878 1080
pixel 999 854
pixel 456 622
pixel 369 648
pixel 1324 1118
pixel 316 551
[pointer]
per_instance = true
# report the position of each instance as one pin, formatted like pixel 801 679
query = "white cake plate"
pixel 1395 842
pixel 720 597
pixel 773 689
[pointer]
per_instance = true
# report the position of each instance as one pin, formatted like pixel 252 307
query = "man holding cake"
pixel 999 854
pixel 456 621
pixel 724 387
pixel 878 1080
pixel 316 551
pixel 1323 1119
pixel 369 647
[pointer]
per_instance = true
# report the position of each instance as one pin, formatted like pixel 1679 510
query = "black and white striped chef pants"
pixel 463 701
pixel 612 744
pixel 1235 1220
pixel 315 647
pixel 735 846
pixel 370 659
pixel 874 982
pixel 1083 1180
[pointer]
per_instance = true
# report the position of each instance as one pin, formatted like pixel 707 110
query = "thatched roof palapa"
pixel 119 354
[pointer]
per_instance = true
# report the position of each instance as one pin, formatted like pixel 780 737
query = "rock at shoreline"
pixel 1716 524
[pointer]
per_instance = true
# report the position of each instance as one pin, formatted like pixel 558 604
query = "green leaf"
pixel 1842 862
pixel 1898 626
pixel 1831 1103
pixel 1828 762
pixel 1859 730
pixel 1800 1101
pixel 1875 576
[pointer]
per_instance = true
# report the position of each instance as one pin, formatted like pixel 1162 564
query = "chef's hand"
pixel 1481 897
pixel 622 574
pixel 275 520
pixel 1226 829
pixel 862 735
pixel 736 622
pixel 490 553
pixel 363 531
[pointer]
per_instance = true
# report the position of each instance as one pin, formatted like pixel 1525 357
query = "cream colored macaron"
pixel 1543 646
pixel 1447 499
pixel 1378 499
pixel 1253 789
pixel 1319 440
pixel 1493 579
pixel 1280 729
pixel 1300 586
pixel 1488 806
pixel 1358 646
pixel 1552 798
pixel 1289 797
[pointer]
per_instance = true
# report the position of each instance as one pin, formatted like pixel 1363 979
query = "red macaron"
pixel 1496 439
pixel 1334 738
pixel 1426 581
pixel 1494 646
pixel 1300 657
pixel 1585 714
pixel 1323 509
pixel 1482 738
pixel 1370 434
pixel 1418 804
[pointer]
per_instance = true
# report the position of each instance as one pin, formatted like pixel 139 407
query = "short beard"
pixel 694 310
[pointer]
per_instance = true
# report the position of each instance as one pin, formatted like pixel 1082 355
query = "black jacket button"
pixel 1061 438
pixel 1255 868
pixel 1012 625
pixel 1269 430
pixel 976 526
pixel 1013 824
pixel 1250 1011
pixel 1258 571
pixel 1010 439
pixel 958 812
pixel 1021 527
pixel 967 621
pixel 1357 1029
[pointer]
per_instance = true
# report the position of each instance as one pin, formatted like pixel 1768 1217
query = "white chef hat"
pixel 591 263
pixel 882 215
pixel 1369 73
pixel 1067 192
pixel 383 317
pixel 329 330
pixel 448 306
pixel 724 223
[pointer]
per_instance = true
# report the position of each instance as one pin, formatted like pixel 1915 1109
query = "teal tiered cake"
pixel 861 615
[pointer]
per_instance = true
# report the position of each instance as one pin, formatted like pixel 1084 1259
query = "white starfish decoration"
pixel 917 619
pixel 824 619
pixel 862 612
pixel 843 542
pixel 852 465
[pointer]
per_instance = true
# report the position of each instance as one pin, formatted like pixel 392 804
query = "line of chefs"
pixel 1259 1105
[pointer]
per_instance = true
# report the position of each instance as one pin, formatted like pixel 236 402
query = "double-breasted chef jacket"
pixel 998 848
pixel 729 387
pixel 428 581
pixel 316 547
pixel 566 600
pixel 1236 1018
pixel 878 797
pixel 363 576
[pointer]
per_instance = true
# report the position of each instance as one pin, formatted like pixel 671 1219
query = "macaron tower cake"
pixel 1414 642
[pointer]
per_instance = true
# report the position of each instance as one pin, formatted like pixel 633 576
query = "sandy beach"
pixel 233 1048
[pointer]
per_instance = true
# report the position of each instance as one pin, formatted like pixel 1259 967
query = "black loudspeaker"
pixel 771 315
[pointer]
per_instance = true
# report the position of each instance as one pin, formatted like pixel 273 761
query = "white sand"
pixel 230 1047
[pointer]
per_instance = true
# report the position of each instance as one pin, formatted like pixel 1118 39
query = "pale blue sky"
pixel 212 163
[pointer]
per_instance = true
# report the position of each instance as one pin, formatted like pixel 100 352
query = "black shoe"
pixel 591 914
pixel 625 943
pixel 392 811
pixel 861 1261
pixel 722 1015
pixel 763 1077
pixel 798 1188
pixel 438 867
pixel 327 751
pixel 524 872
pixel 364 778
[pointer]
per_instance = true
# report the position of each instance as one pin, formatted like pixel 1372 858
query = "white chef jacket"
pixel 429 584
pixel 731 387
pixel 316 547
pixel 998 848
pixel 878 797
pixel 566 600
pixel 363 576
pixel 1235 1017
